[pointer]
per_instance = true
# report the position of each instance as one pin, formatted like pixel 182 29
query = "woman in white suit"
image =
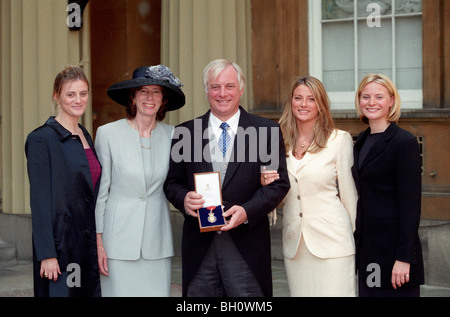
pixel 134 236
pixel 320 208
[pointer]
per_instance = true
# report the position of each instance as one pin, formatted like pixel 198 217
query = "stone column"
pixel 35 45
pixel 194 32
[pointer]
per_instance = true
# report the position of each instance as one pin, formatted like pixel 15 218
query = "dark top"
pixel 388 181
pixel 94 166
pixel 62 198
pixel 370 141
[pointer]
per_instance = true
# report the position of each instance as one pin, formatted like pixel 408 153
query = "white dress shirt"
pixel 215 123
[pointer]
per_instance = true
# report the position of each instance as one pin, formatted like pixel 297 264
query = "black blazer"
pixel 389 205
pixel 62 198
pixel 241 186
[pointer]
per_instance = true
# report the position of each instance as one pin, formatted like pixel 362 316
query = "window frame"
pixel 344 100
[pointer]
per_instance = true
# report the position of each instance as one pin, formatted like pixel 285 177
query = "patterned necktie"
pixel 224 138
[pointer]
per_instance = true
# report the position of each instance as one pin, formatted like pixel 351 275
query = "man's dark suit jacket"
pixel 389 205
pixel 241 186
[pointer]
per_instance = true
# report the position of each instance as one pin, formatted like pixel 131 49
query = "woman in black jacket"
pixel 387 174
pixel 63 171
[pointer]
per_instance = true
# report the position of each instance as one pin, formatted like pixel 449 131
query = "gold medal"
pixel 211 217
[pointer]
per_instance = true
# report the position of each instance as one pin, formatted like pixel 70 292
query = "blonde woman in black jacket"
pixel 387 174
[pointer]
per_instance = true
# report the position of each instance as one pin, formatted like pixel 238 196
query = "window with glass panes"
pixel 350 39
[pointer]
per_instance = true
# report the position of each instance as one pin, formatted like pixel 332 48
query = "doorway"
pixel 125 34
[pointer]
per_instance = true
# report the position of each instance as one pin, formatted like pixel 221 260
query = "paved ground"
pixel 16 281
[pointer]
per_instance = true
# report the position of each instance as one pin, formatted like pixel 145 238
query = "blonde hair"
pixel 323 126
pixel 394 113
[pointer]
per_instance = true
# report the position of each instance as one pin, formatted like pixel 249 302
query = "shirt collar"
pixel 232 122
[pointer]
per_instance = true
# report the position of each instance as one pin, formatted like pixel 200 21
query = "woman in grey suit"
pixel 134 235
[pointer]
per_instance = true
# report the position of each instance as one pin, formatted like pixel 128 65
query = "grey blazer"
pixel 132 213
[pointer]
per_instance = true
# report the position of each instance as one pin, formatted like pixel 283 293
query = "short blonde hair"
pixel 394 113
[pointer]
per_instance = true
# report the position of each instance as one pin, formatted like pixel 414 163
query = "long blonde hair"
pixel 323 126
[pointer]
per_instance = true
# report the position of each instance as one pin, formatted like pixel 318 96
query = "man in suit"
pixel 235 261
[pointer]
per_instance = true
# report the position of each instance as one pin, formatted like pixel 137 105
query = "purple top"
pixel 94 166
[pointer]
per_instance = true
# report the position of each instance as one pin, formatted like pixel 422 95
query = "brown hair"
pixel 131 109
pixel 323 126
pixel 68 74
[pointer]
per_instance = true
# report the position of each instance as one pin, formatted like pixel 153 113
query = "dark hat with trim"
pixel 150 75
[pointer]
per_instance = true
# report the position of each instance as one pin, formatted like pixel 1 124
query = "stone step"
pixel 8 254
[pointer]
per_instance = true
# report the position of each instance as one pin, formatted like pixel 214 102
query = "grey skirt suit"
pixel 132 212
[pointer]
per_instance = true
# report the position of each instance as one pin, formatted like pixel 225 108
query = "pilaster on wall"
pixel 195 32
pixel 35 45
